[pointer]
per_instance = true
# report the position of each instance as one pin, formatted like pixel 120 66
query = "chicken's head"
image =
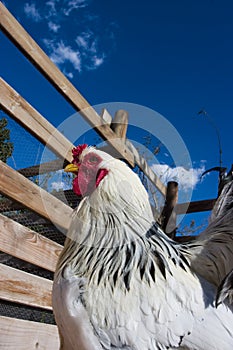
pixel 86 165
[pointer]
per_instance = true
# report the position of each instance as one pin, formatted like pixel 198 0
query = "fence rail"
pixel 27 335
pixel 28 245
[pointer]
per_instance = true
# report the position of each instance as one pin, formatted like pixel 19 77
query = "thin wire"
pixel 211 122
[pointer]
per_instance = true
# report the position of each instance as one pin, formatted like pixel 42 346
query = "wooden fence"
pixel 17 286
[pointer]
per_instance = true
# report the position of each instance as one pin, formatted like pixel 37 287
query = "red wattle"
pixel 101 174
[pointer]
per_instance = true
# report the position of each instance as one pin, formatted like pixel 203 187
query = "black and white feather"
pixel 121 283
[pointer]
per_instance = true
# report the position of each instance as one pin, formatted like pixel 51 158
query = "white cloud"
pixel 32 12
pixel 60 54
pixel 186 178
pixel 73 5
pixel 68 74
pixel 88 45
pixel 51 8
pixel 58 185
pixel 53 26
pixel 97 61
pixel 70 52
pixel 83 40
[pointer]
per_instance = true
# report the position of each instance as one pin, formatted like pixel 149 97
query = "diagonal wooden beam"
pixel 17 34
pixel 25 288
pixel 28 245
pixel 24 191
pixel 23 113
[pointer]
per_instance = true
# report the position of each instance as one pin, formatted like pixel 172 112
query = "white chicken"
pixel 121 283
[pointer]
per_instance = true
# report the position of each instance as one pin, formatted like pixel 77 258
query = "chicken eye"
pixel 93 159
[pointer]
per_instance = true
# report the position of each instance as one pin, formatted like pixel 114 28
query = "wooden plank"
pixel 21 111
pixel 24 288
pixel 12 28
pixel 28 245
pixel 27 335
pixel 22 190
pixel 195 207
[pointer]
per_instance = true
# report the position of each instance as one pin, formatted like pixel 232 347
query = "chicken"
pixel 121 283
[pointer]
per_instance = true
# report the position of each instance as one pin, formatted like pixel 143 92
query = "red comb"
pixel 78 150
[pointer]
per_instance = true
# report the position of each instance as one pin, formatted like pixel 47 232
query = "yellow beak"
pixel 71 168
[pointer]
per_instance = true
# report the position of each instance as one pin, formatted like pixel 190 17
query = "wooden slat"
pixel 25 288
pixel 195 207
pixel 21 111
pixel 27 335
pixel 12 28
pixel 17 187
pixel 23 243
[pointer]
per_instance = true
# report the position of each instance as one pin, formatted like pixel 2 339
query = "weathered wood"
pixel 12 28
pixel 28 245
pixel 27 335
pixel 24 288
pixel 168 216
pixel 195 207
pixel 17 187
pixel 21 111
pixel 120 124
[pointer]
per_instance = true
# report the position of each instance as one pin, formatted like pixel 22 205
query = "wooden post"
pixel 168 216
pixel 120 124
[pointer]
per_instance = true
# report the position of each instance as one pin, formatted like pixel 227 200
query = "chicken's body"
pixel 122 284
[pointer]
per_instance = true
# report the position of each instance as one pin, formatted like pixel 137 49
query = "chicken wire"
pixel 25 158
pixel 24 312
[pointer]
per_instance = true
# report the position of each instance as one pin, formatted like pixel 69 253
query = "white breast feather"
pixel 107 247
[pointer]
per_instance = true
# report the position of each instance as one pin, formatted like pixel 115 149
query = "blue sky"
pixel 172 56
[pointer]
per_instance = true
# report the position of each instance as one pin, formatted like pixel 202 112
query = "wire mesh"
pixel 24 312
pixel 23 152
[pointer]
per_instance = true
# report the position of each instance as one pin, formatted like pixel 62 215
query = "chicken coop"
pixel 32 220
